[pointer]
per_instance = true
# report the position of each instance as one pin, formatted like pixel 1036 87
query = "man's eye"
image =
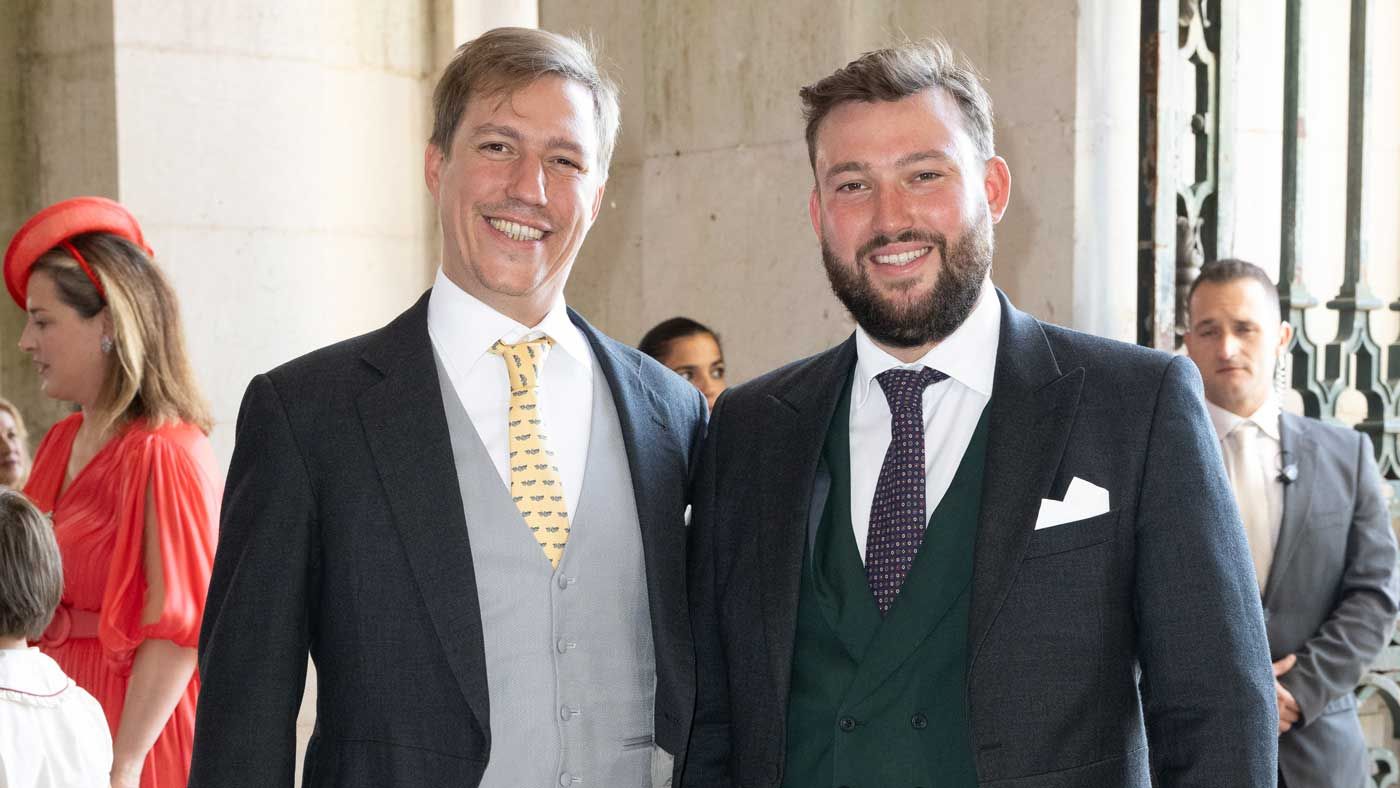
pixel 685 373
pixel 569 163
pixel 495 147
pixel 927 176
pixel 853 186
pixel 717 373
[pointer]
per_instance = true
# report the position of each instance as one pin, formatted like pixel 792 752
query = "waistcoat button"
pixel 568 779
pixel 567 713
pixel 846 724
pixel 564 645
pixel 919 720
pixel 563 582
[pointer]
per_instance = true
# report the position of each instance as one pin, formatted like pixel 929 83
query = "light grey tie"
pixel 1250 480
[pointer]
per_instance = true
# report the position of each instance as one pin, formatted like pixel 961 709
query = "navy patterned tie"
pixel 897 513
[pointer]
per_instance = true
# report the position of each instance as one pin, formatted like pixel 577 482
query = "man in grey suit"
pixel 472 518
pixel 944 552
pixel 1314 513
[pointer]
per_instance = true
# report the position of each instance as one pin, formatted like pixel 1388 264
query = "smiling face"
pixel 66 347
pixel 1235 339
pixel 904 208
pixel 517 194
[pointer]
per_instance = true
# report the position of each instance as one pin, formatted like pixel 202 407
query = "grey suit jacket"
pixel 1061 619
pixel 343 536
pixel 1330 598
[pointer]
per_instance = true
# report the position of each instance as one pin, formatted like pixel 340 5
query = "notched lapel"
pixel 1033 407
pixel 406 428
pixel 1297 499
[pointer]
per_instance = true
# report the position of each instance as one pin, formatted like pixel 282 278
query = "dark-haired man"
pixel 472 518
pixel 944 552
pixel 1314 513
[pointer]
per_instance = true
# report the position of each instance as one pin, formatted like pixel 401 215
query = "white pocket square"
pixel 1082 501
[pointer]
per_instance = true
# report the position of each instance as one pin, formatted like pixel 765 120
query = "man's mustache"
pixel 938 240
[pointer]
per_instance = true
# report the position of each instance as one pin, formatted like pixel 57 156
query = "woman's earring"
pixel 106 344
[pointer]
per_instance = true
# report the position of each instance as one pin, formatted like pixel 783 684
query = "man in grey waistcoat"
pixel 1314 512
pixel 472 519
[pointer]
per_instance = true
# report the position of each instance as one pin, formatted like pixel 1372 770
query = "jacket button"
pixel 846 724
pixel 562 581
pixel 918 721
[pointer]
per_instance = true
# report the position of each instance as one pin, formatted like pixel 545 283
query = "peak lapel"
pixel 406 428
pixel 1031 413
pixel 791 449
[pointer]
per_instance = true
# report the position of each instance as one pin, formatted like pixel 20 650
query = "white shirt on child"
pixel 53 734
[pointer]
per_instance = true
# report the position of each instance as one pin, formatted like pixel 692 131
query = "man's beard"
pixel 930 318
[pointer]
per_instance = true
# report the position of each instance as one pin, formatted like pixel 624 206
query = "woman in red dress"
pixel 130 478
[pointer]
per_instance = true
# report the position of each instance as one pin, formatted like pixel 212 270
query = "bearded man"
pixel 964 547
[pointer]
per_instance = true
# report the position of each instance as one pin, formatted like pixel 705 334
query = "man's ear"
pixel 1285 336
pixel 433 160
pixel 814 210
pixel 997 182
pixel 598 201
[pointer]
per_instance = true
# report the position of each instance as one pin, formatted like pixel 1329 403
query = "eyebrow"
pixel 923 155
pixel 563 143
pixel 903 161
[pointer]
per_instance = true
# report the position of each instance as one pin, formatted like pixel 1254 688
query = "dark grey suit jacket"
pixel 1062 619
pixel 1330 598
pixel 343 535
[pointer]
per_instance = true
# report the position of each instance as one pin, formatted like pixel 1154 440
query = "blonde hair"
pixel 148 372
pixel 506 59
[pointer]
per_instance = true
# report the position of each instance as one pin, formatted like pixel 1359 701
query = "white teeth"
pixel 518 232
pixel 900 259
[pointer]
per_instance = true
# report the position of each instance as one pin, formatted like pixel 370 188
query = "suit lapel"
pixel 649 453
pixel 406 428
pixel 1299 448
pixel 1032 411
pixel 800 415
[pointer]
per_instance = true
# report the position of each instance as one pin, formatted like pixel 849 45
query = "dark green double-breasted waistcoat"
pixel 882 702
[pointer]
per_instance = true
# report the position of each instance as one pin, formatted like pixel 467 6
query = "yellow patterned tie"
pixel 534 476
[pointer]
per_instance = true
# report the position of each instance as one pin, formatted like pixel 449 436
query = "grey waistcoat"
pixel 570 667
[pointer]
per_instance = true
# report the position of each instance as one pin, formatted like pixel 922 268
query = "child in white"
pixel 53 734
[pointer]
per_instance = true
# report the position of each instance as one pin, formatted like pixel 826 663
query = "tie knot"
pixel 904 388
pixel 523 360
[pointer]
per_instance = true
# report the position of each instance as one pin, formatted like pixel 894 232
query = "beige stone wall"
pixel 706 215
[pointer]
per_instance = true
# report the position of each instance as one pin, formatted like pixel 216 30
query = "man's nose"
pixel 527 181
pixel 891 211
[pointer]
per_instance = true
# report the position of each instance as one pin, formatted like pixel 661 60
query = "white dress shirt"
pixel 1269 455
pixel 952 408
pixel 53 734
pixel 463 329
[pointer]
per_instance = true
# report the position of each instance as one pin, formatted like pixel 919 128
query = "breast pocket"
pixel 1072 535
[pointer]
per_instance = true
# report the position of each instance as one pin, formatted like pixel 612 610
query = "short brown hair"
pixel 148 371
pixel 506 59
pixel 31 572
pixel 1231 269
pixel 898 72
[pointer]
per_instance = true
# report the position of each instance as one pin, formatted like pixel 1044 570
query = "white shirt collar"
pixel 1266 417
pixel 459 320
pixel 968 355
pixel 29 671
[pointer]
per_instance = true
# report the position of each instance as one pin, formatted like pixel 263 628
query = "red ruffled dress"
pixel 99 521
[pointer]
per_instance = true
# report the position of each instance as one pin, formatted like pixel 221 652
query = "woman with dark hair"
pixel 690 350
pixel 130 479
